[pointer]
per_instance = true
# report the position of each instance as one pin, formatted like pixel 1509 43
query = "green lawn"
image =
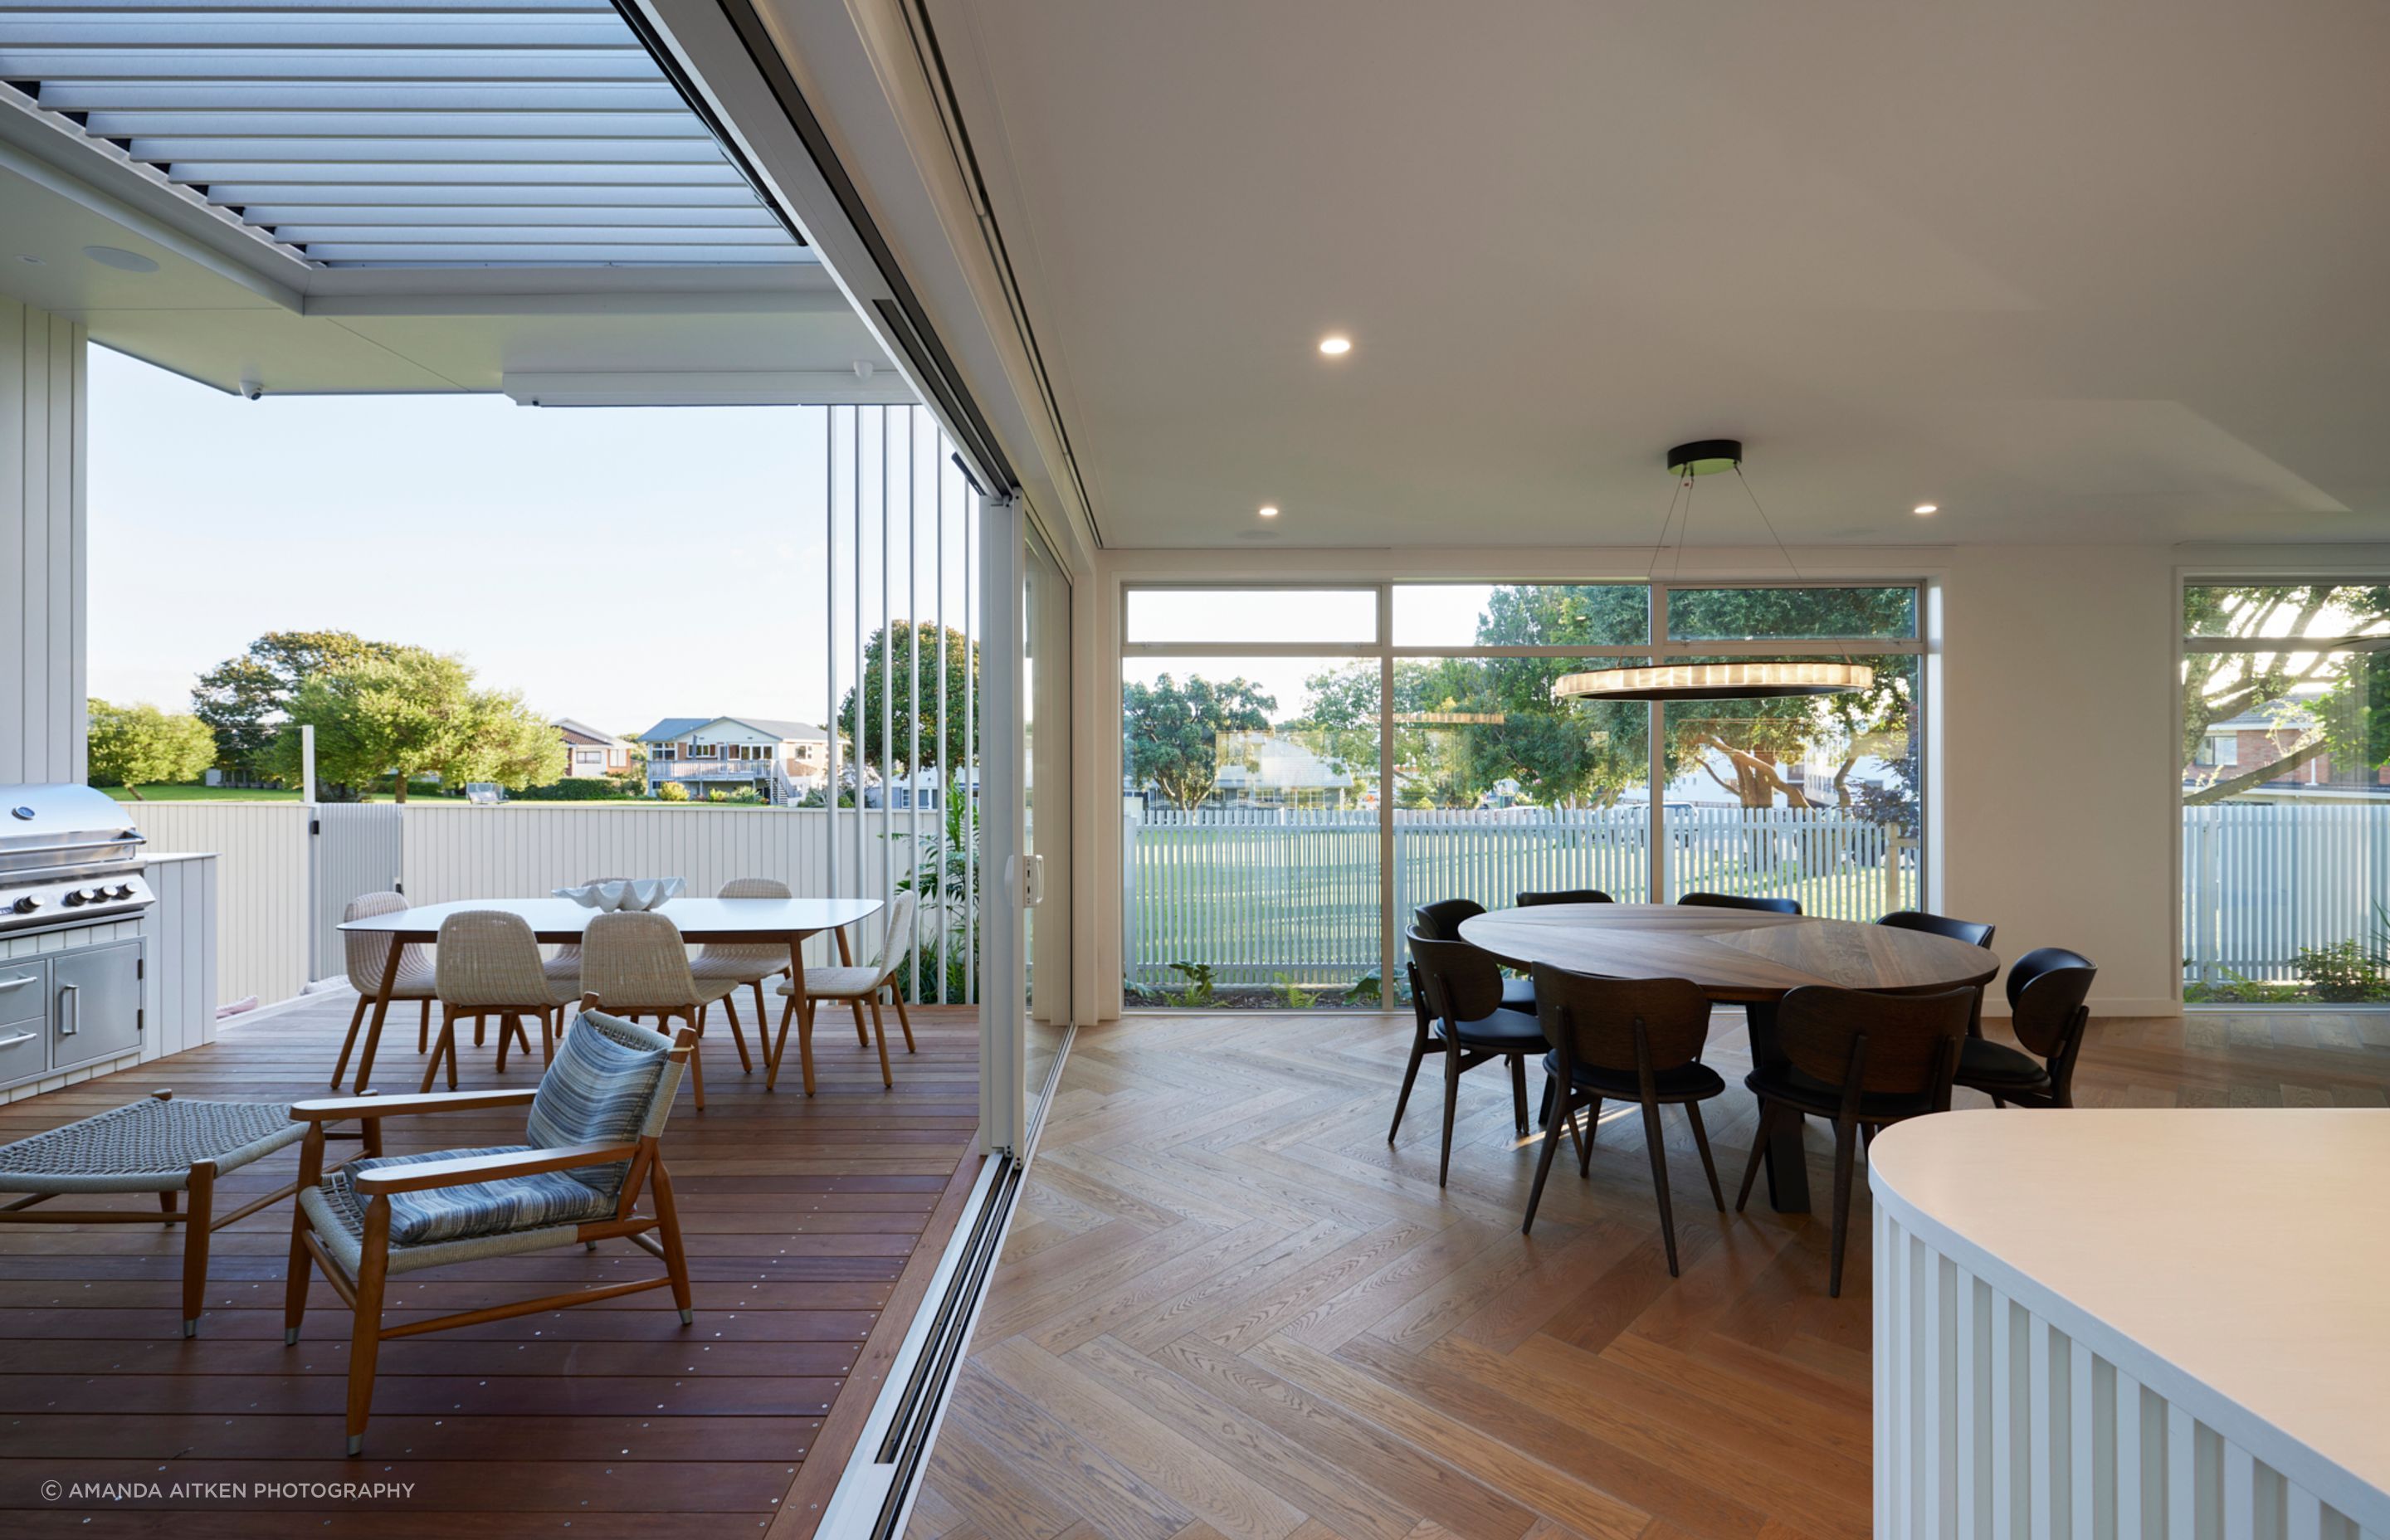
pixel 201 794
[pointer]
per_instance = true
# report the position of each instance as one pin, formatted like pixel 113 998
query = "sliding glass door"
pixel 1301 767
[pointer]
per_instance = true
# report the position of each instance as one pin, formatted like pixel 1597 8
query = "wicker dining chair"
pixel 749 963
pixel 634 964
pixel 488 965
pixel 366 955
pixel 565 966
pixel 590 1148
pixel 856 986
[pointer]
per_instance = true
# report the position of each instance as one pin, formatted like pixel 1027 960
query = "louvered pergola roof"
pixel 402 133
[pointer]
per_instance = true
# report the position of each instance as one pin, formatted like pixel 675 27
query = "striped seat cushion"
pixel 596 1092
pixel 458 1213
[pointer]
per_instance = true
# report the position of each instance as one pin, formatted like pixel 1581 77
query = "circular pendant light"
pixel 1762 681
pixel 1769 679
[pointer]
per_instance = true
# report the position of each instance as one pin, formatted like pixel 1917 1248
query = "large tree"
pixel 945 733
pixel 138 746
pixel 2320 701
pixel 417 713
pixel 1173 731
pixel 245 699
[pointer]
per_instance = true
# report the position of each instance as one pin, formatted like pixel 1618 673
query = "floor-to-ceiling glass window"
pixel 1301 768
pixel 1046 791
pixel 2286 793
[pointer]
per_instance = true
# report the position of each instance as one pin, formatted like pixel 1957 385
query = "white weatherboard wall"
pixel 43 552
pixel 261 854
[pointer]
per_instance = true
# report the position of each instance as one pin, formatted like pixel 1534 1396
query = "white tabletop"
pixel 553 919
pixel 2247 1248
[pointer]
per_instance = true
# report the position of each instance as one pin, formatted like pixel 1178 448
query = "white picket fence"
pixel 2262 879
pixel 1263 896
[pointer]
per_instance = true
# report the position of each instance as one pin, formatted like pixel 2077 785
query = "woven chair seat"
pixel 418 978
pixel 146 1146
pixel 739 969
pixel 838 983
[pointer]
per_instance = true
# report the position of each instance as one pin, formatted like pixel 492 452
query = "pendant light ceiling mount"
pixel 1760 680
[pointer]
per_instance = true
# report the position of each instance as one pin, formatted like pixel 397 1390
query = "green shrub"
pixel 578 788
pixel 671 792
pixel 2343 973
pixel 1202 989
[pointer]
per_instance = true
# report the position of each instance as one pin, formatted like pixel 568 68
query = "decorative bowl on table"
pixel 645 893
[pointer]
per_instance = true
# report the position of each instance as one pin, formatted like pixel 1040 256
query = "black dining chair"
pixel 1441 922
pixel 2047 989
pixel 1462 1017
pixel 1564 896
pixel 1863 1060
pixel 1974 933
pixel 1636 1040
pixel 1737 901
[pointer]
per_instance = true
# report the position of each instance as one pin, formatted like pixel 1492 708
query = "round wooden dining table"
pixel 1737 956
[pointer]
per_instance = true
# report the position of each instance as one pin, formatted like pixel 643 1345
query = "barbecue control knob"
pixel 123 890
pixel 26 904
pixel 76 898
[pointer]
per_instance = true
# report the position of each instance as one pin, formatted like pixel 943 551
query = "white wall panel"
pixel 42 551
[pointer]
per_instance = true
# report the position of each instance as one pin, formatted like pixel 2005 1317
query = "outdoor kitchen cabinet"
pixel 94 1004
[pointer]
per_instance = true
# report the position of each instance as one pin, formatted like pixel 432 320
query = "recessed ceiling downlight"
pixel 1269 510
pixel 1921 509
pixel 1336 346
pixel 119 259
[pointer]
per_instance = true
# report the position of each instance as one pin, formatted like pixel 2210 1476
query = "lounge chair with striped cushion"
pixel 590 1148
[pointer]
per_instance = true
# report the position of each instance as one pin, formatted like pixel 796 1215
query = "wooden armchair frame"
pixel 363 1292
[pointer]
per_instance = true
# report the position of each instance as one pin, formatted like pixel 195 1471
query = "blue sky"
pixel 617 565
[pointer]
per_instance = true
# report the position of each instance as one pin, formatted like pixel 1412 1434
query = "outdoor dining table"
pixel 725 920
pixel 1736 957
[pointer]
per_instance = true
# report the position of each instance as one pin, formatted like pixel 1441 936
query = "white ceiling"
pixel 2075 272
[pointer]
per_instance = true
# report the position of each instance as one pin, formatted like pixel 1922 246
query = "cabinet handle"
pixel 70 1022
pixel 12 1042
pixel 19 981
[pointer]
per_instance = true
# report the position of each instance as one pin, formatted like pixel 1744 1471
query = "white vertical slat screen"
pixel 1993 1423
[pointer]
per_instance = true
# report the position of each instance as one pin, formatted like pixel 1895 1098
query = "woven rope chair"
pixel 634 964
pixel 857 986
pixel 488 965
pixel 749 963
pixel 591 1148
pixel 366 955
pixel 565 966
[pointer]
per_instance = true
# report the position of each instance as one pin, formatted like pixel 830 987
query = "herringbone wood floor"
pixel 1231 1308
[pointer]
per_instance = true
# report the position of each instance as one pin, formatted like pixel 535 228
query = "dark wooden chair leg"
pixel 1410 1074
pixel 880 1036
pixel 1544 1165
pixel 1702 1143
pixel 696 1054
pixel 299 1270
pixel 443 1047
pixel 166 1205
pixel 902 1020
pixel 1519 1092
pixel 862 1031
pixel 1758 1153
pixel 1656 1143
pixel 195 1219
pixel 1551 1095
pixel 423 1028
pixel 738 1037
pixel 365 1334
pixel 668 1231
pixel 349 1044
pixel 1845 1143
pixel 1451 1107
pixel 1584 1146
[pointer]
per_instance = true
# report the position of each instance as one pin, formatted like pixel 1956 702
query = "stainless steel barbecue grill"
pixel 71 971
pixel 69 855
